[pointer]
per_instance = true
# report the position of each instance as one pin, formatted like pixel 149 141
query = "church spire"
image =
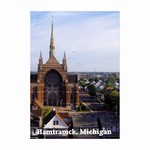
pixel 40 61
pixel 52 45
pixel 41 56
pixel 65 61
pixel 64 55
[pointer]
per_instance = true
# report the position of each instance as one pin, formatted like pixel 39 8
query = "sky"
pixel 91 40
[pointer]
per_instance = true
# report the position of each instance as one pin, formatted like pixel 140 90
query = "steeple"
pixel 65 61
pixel 52 45
pixel 41 57
pixel 64 56
pixel 40 61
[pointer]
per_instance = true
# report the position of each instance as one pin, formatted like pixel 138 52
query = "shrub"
pixel 46 111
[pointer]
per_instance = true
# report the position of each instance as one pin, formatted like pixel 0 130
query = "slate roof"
pixel 49 117
pixel 72 78
pixel 33 77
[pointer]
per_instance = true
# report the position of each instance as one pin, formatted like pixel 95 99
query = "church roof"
pixel 33 77
pixel 72 78
pixel 52 61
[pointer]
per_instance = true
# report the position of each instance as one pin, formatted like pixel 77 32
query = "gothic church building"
pixel 51 85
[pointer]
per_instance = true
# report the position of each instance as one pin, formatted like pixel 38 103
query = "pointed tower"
pixel 65 62
pixel 55 87
pixel 40 62
pixel 52 45
pixel 41 59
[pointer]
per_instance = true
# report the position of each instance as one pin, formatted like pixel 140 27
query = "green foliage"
pixel 82 79
pixel 110 82
pixel 112 99
pixel 82 83
pixel 83 107
pixel 92 90
pixel 109 87
pixel 96 79
pixel 99 90
pixel 91 79
pixel 46 110
pixel 88 95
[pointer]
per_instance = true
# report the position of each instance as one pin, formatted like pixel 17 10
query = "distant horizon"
pixel 90 39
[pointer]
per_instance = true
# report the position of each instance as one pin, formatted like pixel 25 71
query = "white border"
pixel 15 71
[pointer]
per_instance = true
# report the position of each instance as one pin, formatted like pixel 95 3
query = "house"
pixel 56 120
pixel 36 114
pixel 36 108
pixel 116 85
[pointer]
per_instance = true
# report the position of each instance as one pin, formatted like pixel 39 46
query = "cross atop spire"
pixel 52 45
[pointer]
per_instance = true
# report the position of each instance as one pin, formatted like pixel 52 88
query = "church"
pixel 51 85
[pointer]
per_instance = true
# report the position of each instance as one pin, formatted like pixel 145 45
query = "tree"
pixel 110 81
pixel 96 79
pixel 91 80
pixel 82 79
pixel 46 110
pixel 91 90
pixel 112 100
pixel 83 84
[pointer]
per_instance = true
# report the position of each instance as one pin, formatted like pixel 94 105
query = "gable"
pixel 52 61
pixel 38 104
pixel 56 122
pixel 36 108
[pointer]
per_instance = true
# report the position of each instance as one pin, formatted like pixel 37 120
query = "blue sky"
pixel 90 39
